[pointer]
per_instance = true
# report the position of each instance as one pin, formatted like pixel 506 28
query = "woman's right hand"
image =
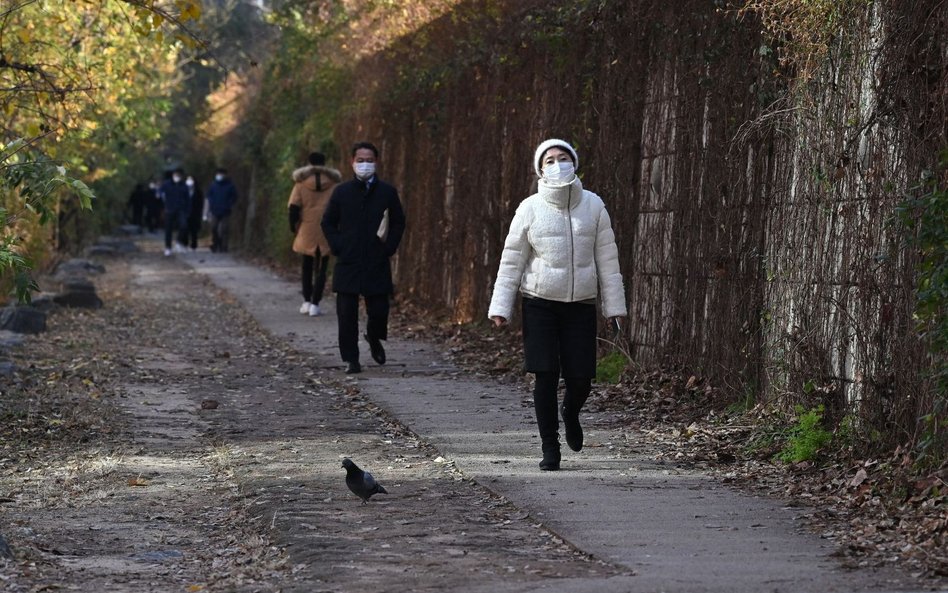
pixel 498 321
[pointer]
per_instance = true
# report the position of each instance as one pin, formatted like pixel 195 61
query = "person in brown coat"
pixel 313 186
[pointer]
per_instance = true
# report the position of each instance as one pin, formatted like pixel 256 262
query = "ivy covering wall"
pixel 753 175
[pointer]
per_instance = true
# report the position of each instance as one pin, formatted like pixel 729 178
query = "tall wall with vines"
pixel 753 175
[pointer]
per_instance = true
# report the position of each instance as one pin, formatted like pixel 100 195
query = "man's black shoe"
pixel 378 352
pixel 353 367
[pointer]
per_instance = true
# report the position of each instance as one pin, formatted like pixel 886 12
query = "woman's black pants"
pixel 313 288
pixel 545 399
pixel 559 339
pixel 194 229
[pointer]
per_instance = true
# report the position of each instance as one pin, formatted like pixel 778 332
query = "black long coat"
pixel 351 225
pixel 197 206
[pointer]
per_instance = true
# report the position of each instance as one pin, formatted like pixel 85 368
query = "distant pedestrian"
pixel 560 254
pixel 137 201
pixel 153 207
pixel 363 223
pixel 177 203
pixel 196 214
pixel 221 197
pixel 310 196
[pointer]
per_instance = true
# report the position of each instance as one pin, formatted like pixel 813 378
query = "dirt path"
pixel 248 496
pixel 673 529
pixel 189 435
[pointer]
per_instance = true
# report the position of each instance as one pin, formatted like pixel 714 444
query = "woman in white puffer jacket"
pixel 560 254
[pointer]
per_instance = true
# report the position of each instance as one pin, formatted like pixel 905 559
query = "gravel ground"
pixel 164 442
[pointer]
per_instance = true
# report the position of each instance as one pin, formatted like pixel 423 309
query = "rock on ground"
pixel 22 319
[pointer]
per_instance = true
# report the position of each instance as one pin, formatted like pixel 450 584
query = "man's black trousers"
pixel 347 311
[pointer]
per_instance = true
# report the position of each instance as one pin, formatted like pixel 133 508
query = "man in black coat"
pixel 363 223
pixel 137 202
pixel 174 194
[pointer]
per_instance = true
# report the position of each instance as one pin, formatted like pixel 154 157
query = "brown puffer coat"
pixel 312 203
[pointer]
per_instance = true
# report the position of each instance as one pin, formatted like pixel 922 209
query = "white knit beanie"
pixel 548 144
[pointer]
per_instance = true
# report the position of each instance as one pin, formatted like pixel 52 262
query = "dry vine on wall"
pixel 752 205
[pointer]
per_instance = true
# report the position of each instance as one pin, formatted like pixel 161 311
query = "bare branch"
pixel 171 18
pixel 18 66
pixel 13 9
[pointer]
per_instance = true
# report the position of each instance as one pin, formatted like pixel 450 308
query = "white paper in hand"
pixel 383 227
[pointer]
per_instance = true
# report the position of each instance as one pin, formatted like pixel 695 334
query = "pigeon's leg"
pixel 544 404
pixel 577 392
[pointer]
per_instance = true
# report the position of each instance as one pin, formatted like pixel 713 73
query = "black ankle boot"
pixel 544 403
pixel 577 392
pixel 572 428
pixel 551 457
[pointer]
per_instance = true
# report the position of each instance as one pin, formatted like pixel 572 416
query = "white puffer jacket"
pixel 560 247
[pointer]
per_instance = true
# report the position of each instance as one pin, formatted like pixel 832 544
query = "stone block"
pixel 78 267
pixel 22 319
pixel 78 292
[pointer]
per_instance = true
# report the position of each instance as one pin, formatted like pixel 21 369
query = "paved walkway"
pixel 669 530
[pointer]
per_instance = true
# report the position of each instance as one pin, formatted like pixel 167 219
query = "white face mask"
pixel 219 177
pixel 364 170
pixel 176 178
pixel 189 182
pixel 559 172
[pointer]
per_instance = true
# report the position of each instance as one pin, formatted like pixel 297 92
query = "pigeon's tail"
pixel 381 490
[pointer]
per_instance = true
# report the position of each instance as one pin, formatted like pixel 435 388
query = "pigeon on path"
pixel 361 482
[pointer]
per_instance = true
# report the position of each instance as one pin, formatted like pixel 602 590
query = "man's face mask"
pixel 364 170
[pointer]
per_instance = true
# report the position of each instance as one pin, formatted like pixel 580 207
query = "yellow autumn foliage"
pixel 85 88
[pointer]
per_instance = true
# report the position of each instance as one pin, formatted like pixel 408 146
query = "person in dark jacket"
pixel 136 204
pixel 153 207
pixel 196 215
pixel 174 194
pixel 221 197
pixel 363 223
